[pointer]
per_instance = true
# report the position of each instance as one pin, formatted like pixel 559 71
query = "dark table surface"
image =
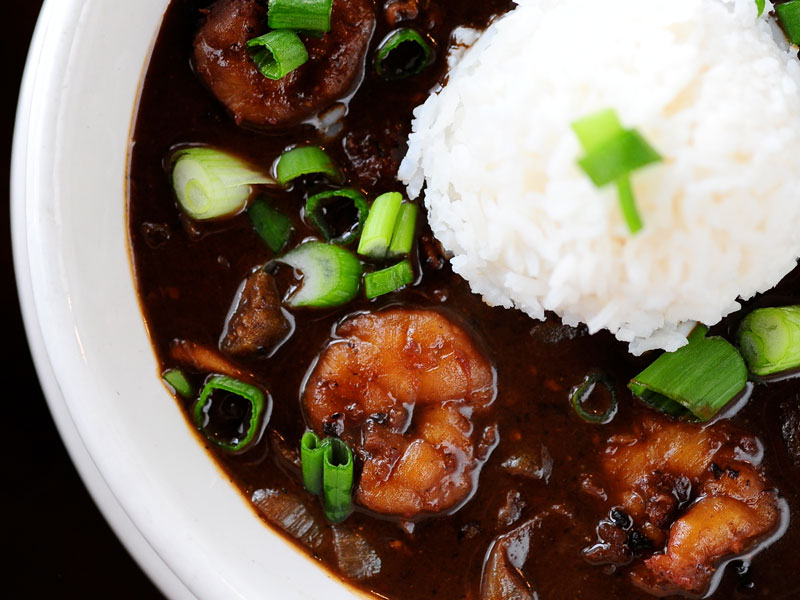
pixel 60 545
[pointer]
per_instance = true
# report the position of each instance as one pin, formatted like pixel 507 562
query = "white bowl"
pixel 190 530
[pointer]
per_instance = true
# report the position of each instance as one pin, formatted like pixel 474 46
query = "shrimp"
pixel 335 65
pixel 698 488
pixel 406 388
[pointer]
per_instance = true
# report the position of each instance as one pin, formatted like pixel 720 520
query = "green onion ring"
pixel 769 339
pixel 379 226
pixel 582 393
pixel 388 280
pixel 331 275
pixel 259 410
pixel 305 160
pixel 391 43
pixel 277 53
pixel 177 380
pixel 337 479
pixel 311 458
pixel 209 183
pixel 404 229
pixel 789 18
pixel 300 15
pixel 702 376
pixel 315 204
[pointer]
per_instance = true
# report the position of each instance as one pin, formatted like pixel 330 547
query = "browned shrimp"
pixel 697 489
pixel 334 68
pixel 407 389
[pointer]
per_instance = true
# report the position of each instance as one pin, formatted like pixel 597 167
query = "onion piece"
pixel 530 463
pixel 287 511
pixel 355 557
pixel 501 578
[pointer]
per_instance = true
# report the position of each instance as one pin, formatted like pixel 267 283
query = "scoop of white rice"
pixel 704 81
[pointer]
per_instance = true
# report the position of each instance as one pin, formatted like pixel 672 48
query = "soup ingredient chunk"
pixel 502 577
pixel 697 491
pixel 334 67
pixel 410 392
pixel 258 324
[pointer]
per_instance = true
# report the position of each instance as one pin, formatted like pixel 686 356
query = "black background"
pixel 56 543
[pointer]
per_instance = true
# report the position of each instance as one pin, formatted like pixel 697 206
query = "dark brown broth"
pixel 187 282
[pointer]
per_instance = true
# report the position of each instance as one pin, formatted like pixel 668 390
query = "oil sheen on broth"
pixel 542 502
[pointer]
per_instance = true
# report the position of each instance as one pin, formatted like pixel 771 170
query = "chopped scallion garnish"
pixel 789 17
pixel 402 53
pixel 316 208
pixel 177 380
pixel 300 15
pixel 305 160
pixel 769 339
pixel 327 468
pixel 620 155
pixel 388 279
pixel 273 226
pixel 761 5
pixel 581 395
pixel 612 154
pixel 627 204
pixel 210 183
pixel 404 229
pixel 311 456
pixel 663 404
pixel 254 424
pixel 702 376
pixel 596 129
pixel 379 226
pixel 331 274
pixel 277 53
pixel 337 480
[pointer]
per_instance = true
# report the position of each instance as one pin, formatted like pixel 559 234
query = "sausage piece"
pixel 334 68
pixel 257 325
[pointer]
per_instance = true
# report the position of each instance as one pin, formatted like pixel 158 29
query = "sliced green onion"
pixel 388 280
pixel 402 53
pixel 277 53
pixel 305 160
pixel 596 129
pixel 662 403
pixel 300 15
pixel 177 380
pixel 623 153
pixel 274 227
pixel 583 393
pixel 761 5
pixel 337 479
pixel 612 154
pixel 627 204
pixel 254 396
pixel 789 17
pixel 702 376
pixel 210 183
pixel 315 211
pixel 331 274
pixel 379 226
pixel 770 340
pixel 404 228
pixel 311 455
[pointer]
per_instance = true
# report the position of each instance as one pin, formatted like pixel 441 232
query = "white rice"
pixel 707 85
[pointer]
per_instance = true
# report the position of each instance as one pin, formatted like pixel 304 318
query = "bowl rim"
pixel 108 505
pixel 166 520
